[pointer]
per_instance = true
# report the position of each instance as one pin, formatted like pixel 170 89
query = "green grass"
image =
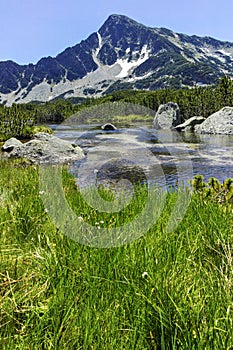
pixel 161 291
pixel 120 119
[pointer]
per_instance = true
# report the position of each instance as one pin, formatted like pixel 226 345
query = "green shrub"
pixel 42 128
pixel 14 123
pixel 221 193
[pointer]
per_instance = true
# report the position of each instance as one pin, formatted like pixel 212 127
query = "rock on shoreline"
pixel 168 117
pixel 43 149
pixel 220 122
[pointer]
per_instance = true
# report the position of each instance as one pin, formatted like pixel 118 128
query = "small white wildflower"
pixel 42 192
pixel 46 210
pixel 102 222
pixel 145 274
pixel 98 227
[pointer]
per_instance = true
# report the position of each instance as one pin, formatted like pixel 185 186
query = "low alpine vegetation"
pixel 165 290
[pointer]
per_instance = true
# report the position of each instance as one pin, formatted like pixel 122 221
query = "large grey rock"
pixel 220 122
pixel 43 136
pixel 44 148
pixel 168 116
pixel 190 123
pixel 11 144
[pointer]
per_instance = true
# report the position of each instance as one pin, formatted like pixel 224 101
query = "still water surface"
pixel 165 156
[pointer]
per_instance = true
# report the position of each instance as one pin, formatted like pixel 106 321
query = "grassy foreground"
pixel 162 291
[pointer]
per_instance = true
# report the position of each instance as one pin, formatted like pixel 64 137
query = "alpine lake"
pixel 139 152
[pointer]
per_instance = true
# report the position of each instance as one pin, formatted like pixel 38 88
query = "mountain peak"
pixel 122 54
pixel 119 22
pixel 118 18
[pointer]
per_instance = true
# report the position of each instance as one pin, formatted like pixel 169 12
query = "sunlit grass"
pixel 121 119
pixel 161 291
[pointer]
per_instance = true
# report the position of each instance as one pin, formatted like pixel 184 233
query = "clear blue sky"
pixel 31 29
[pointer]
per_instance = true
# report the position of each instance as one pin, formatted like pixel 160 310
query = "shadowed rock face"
pixel 220 122
pixel 167 116
pixel 43 149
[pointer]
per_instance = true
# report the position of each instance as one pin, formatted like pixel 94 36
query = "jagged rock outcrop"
pixel 43 149
pixel 168 116
pixel 220 122
pixel 189 124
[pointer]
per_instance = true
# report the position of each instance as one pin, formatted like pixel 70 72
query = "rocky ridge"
pixel 122 54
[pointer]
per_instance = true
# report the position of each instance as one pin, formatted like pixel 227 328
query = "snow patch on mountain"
pixel 122 53
pixel 128 66
pixel 100 44
pixel 133 79
pixel 99 80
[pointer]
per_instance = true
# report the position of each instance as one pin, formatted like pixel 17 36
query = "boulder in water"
pixel 108 126
pixel 168 116
pixel 220 122
pixel 189 124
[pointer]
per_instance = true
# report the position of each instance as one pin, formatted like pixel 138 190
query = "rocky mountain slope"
pixel 122 54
